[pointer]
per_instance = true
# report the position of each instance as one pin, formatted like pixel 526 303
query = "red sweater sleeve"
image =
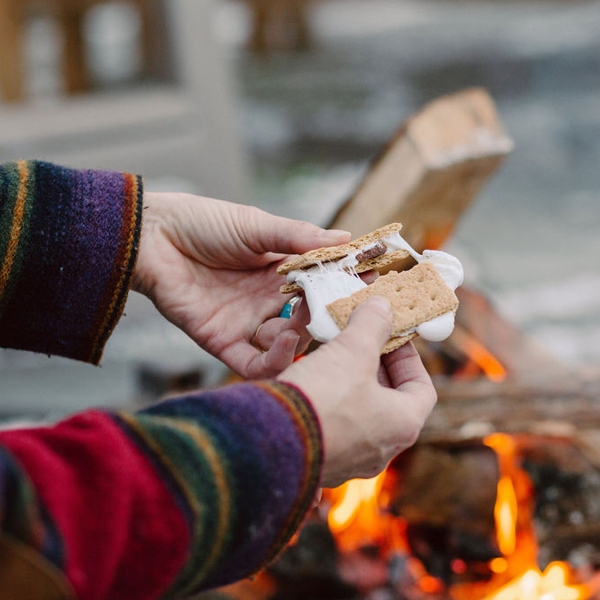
pixel 200 491
pixel 194 493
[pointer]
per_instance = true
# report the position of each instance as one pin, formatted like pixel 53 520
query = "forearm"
pixel 190 494
pixel 68 245
pixel 179 498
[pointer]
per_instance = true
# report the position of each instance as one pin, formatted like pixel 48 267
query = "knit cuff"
pixel 68 245
pixel 266 446
pixel 309 429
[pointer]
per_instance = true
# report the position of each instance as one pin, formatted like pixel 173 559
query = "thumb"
pixel 271 233
pixel 369 327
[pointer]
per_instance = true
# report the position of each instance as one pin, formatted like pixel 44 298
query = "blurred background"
pixel 284 104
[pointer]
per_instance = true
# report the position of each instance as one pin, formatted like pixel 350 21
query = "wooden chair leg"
pixel 12 58
pixel 75 73
pixel 300 23
pixel 155 42
pixel 279 23
pixel 261 19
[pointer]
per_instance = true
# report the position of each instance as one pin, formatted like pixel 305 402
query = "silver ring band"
pixel 288 308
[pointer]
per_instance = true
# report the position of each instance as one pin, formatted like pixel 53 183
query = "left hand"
pixel 209 266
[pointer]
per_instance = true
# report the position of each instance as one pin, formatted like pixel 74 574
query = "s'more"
pixel 423 297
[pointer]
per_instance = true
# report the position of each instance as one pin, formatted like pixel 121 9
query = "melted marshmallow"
pixel 322 285
pixel 326 282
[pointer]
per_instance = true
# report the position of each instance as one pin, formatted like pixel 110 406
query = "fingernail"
pixel 382 302
pixel 292 343
pixel 336 233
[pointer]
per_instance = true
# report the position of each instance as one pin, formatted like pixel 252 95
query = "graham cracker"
pixel 376 263
pixel 313 257
pixel 417 295
pixel 333 253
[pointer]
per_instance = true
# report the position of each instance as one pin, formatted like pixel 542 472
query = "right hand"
pixel 370 408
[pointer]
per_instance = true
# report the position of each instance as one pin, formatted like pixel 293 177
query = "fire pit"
pixel 505 516
pixel 500 497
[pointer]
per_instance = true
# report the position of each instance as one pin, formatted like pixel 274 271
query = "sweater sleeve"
pixel 191 494
pixel 68 244
pixel 194 493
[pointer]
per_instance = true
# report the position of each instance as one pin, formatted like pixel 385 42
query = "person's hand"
pixel 370 408
pixel 209 266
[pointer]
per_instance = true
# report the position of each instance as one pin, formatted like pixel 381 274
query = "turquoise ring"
pixel 288 308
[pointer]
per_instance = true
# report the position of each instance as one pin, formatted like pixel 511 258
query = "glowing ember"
pixel 505 513
pixel 534 585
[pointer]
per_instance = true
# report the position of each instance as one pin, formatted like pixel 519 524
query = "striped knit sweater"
pixel 191 494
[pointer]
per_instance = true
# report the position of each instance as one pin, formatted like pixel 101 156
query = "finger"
pixel 282 353
pixel 265 334
pixel 279 356
pixel 270 233
pixel 405 366
pixel 382 377
pixel 369 276
pixel 268 332
pixel 369 327
pixel 300 314
pixel 407 373
pixel 252 363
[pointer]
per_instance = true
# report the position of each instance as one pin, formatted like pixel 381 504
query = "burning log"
pixel 309 569
pixel 570 407
pixel 519 356
pixel 447 495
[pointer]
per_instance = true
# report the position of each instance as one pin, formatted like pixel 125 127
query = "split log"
pixel 517 353
pixel 471 408
pixel 430 171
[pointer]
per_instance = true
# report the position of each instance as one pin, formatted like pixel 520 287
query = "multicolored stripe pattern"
pixel 191 494
pixel 78 229
pixel 243 528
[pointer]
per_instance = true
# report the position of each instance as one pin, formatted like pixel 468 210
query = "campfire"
pixel 500 497
pixel 461 520
pixel 498 500
pixel 362 515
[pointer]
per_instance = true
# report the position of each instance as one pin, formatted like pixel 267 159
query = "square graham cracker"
pixel 417 295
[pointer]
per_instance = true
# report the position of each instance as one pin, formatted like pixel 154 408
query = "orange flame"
pixel 535 585
pixel 355 516
pixel 519 550
pixel 480 355
pixel 505 514
pixel 355 496
pixel 506 507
